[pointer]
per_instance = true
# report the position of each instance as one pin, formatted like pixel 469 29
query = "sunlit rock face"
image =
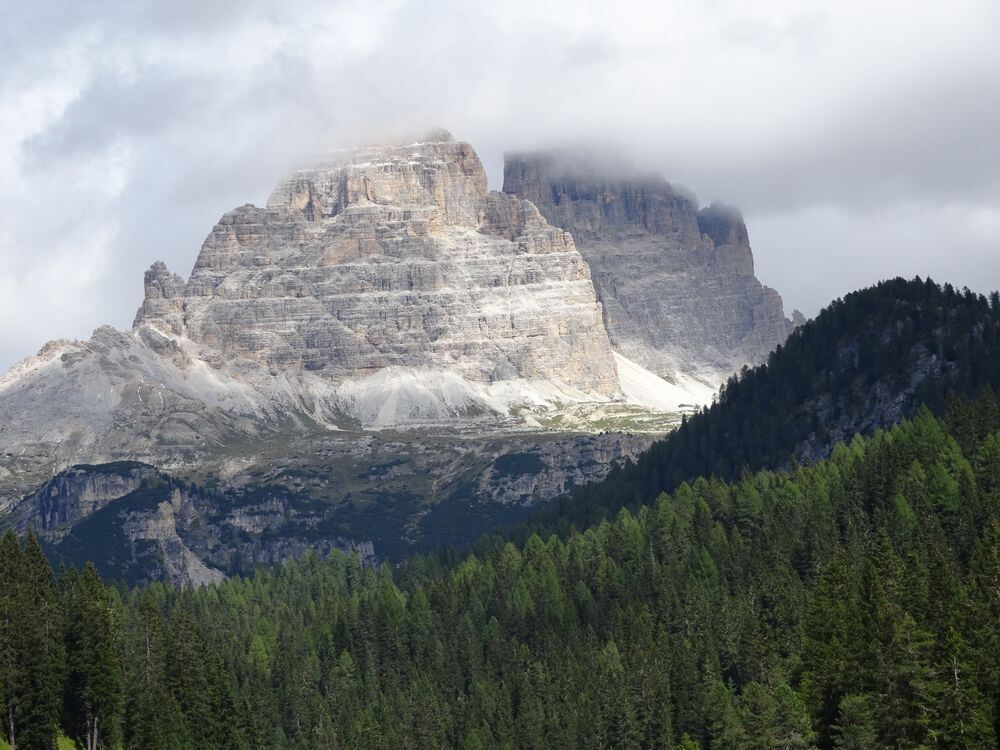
pixel 677 283
pixel 392 256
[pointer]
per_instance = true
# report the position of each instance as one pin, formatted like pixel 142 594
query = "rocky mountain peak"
pixel 444 175
pixel 163 299
pixel 378 290
pixel 386 286
pixel 438 135
pixel 596 193
pixel 724 225
pixel 677 283
pixel 392 256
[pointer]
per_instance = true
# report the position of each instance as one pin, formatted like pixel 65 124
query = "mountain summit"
pixel 676 282
pixel 392 256
pixel 383 289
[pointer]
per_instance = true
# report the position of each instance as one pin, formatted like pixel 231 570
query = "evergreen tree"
pixel 152 716
pixel 13 604
pixel 43 650
pixel 855 728
pixel 93 698
pixel 30 646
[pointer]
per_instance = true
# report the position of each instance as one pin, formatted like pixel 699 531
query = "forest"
pixel 866 361
pixel 850 603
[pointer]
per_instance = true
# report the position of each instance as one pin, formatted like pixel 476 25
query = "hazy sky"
pixel 860 139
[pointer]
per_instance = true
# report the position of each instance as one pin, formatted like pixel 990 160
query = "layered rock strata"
pixel 380 288
pixel 677 283
pixel 392 256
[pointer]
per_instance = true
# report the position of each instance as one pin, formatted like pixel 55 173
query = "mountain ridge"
pixel 864 363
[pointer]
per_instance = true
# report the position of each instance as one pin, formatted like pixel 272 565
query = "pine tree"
pixel 774 717
pixel 195 683
pixel 30 646
pixel 153 718
pixel 960 715
pixel 93 700
pixel 13 603
pixel 616 714
pixel 985 635
pixel 855 728
pixel 898 651
pixel 43 650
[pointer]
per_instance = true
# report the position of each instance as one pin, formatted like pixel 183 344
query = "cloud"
pixel 858 138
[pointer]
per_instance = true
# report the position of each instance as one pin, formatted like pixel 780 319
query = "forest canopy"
pixel 851 603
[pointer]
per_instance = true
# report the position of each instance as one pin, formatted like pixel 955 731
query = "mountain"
pixel 392 257
pixel 676 282
pixel 383 287
pixel 387 352
pixel 864 363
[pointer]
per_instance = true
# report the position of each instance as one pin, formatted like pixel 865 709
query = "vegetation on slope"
pixel 866 361
pixel 852 603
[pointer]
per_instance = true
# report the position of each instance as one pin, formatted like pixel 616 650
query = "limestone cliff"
pixel 386 354
pixel 380 287
pixel 392 256
pixel 677 283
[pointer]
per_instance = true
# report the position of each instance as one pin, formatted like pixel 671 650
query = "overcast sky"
pixel 860 139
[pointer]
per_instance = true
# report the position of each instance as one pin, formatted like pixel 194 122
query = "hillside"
pixel 866 361
pixel 726 615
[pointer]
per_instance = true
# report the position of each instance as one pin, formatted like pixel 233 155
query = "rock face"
pixel 77 493
pixel 376 496
pixel 392 256
pixel 387 356
pixel 384 286
pixel 677 283
pixel 144 525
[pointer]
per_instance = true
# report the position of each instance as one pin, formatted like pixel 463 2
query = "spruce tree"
pixel 93 697
pixel 13 606
pixel 43 650
pixel 152 717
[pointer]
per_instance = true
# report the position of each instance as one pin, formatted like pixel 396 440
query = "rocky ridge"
pixel 676 282
pixel 378 495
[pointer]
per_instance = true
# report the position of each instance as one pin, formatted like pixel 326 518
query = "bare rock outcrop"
pixel 677 283
pixel 385 331
pixel 77 493
pixel 392 256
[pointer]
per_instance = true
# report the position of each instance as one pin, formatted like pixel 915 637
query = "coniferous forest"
pixel 865 361
pixel 518 375
pixel 852 603
pixel 726 591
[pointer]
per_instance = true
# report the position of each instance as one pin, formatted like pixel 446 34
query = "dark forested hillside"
pixel 851 603
pixel 866 361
